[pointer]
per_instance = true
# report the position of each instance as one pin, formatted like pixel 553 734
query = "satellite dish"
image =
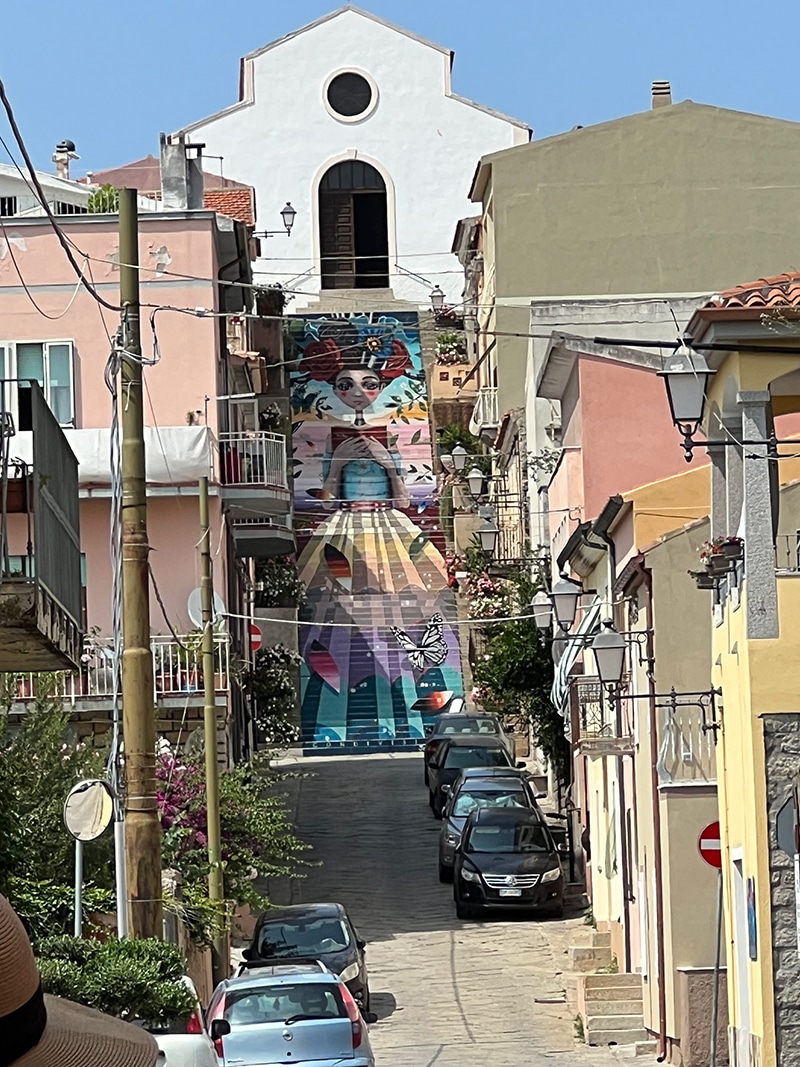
pixel 195 609
pixel 89 809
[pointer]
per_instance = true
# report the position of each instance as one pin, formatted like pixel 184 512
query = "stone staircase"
pixel 610 1006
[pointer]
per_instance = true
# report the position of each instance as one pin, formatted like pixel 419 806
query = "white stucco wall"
pixel 425 141
pixel 12 184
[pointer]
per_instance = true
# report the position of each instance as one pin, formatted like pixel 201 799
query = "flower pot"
pixel 705 581
pixel 733 550
pixel 718 563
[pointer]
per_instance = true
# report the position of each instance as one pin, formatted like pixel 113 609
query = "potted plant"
pixel 715 558
pixel 704 579
pixel 733 548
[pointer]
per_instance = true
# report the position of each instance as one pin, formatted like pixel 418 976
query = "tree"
pixel 103 201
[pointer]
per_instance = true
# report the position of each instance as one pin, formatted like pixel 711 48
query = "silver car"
pixel 477 787
pixel 301 1015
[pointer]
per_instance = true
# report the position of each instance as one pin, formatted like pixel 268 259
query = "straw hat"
pixel 39 1031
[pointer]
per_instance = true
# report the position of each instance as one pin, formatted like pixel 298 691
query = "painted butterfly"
pixel 432 649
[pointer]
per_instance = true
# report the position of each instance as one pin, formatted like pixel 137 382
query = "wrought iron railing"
pixel 787 552
pixel 177 671
pixel 253 458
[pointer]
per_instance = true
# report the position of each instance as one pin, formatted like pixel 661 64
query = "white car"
pixel 188 1045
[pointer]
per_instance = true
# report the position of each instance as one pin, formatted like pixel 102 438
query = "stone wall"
pixel 782 751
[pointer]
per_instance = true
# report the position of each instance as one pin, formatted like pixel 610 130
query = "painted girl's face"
pixel 358 389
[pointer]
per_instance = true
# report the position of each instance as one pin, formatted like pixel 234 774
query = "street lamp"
pixel 686 376
pixel 288 215
pixel 487 535
pixel 609 653
pixel 564 597
pixel 475 482
pixel 460 457
pixel 437 299
pixel 447 462
pixel 542 610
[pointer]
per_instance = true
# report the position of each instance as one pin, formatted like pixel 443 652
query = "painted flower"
pixel 322 360
pixel 398 363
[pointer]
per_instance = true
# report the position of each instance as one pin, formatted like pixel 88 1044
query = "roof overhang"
pixel 563 351
pixel 480 181
pixel 583 554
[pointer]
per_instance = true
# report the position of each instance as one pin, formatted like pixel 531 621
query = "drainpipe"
pixel 656 801
pixel 610 548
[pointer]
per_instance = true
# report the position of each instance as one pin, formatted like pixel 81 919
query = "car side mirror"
pixel 446 789
pixel 219 1028
pixel 520 764
pixel 361 943
pixel 541 796
pixel 248 954
pixel 428 731
pixel 369 1017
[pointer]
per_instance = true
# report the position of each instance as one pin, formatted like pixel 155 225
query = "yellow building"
pixel 756 652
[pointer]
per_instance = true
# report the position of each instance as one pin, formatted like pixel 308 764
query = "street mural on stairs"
pixel 380 652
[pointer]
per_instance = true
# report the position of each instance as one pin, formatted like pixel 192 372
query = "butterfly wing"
pixel 433 645
pixel 415 654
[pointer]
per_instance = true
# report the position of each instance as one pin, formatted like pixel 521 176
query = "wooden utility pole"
pixel 216 891
pixel 143 826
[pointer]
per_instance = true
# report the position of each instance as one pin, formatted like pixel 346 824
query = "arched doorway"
pixel 353 227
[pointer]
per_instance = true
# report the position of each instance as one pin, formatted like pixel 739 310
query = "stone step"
pixel 609 993
pixel 615 981
pixel 589 959
pixel 617 1037
pixel 613 1007
pixel 600 939
pixel 622 1021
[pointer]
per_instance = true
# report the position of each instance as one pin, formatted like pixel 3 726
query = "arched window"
pixel 353 227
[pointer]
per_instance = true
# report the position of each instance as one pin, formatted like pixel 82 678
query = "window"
pixel 50 364
pixel 61 207
pixel 354 227
pixel 350 96
pixel 8 206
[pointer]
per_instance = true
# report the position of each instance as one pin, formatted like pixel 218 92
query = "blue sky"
pixel 112 77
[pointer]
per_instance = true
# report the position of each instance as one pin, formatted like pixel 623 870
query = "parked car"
pixel 449 725
pixel 185 1044
pixel 475 788
pixel 470 750
pixel 322 932
pixel 304 1015
pixel 507 859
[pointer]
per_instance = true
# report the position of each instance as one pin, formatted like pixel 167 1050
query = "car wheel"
pixel 437 807
pixel 556 912
pixel 445 873
pixel 464 911
pixel 365 1003
pixel 431 800
pixel 425 772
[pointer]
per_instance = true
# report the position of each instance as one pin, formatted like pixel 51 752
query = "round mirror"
pixel 89 809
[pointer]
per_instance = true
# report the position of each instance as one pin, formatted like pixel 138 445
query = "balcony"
pixel 687 753
pixel 599 729
pixel 787 553
pixel 485 415
pixel 177 673
pixel 263 538
pixel 41 597
pixel 254 474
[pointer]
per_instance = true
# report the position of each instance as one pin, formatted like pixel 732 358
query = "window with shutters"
pixel 354 227
pixel 50 363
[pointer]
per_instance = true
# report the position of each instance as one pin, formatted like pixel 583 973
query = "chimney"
pixel 661 94
pixel 181 173
pixel 65 151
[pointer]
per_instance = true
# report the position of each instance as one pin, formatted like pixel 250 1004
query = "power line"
pixel 43 200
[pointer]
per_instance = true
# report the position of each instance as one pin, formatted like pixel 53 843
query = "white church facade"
pixel 353 120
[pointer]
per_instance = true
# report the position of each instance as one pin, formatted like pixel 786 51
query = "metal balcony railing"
pixel 177 671
pixel 787 552
pixel 253 458
pixel 687 749
pixel 486 412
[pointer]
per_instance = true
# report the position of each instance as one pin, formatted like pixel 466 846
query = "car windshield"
pixel 468 726
pixel 463 756
pixel 470 799
pixel 513 837
pixel 261 1004
pixel 285 939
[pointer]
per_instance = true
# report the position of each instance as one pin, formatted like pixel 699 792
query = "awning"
pixel 559 694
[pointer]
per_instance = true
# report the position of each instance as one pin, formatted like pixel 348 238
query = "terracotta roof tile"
pixel 782 290
pixel 235 203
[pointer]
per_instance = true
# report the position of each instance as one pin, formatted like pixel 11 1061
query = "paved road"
pixel 449 993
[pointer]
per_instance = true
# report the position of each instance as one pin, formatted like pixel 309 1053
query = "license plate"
pixel 510 892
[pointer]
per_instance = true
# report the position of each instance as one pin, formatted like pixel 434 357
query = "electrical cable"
pixel 10 248
pixel 43 200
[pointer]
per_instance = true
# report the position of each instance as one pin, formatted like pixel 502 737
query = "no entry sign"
pixel 709 845
pixel 255 638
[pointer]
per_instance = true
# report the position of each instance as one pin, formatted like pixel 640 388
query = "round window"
pixel 349 94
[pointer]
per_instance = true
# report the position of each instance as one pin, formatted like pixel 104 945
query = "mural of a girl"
pixel 362 452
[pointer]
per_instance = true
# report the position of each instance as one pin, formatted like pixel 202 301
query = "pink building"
pixel 205 388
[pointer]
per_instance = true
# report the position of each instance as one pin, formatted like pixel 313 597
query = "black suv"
pixel 321 932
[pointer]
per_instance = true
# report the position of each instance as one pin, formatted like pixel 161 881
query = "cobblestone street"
pixel 450 993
